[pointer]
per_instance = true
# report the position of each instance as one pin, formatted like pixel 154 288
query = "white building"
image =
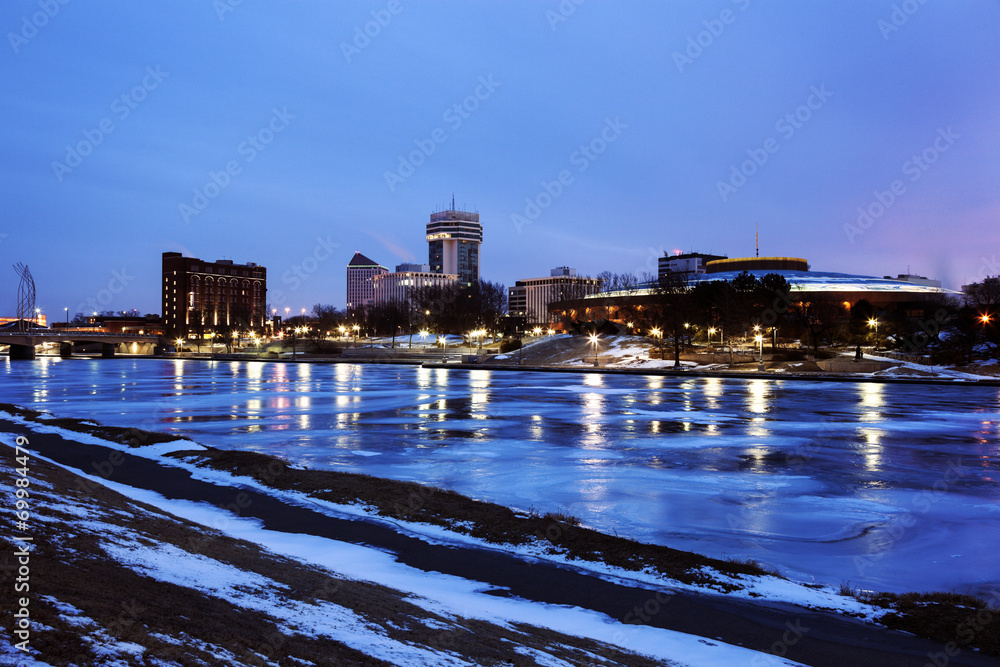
pixel 530 298
pixel 396 286
pixel 691 263
pixel 361 273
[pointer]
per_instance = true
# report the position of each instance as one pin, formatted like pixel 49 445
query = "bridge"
pixel 22 343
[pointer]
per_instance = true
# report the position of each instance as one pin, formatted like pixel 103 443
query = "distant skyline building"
pixel 453 241
pixel 530 298
pixel 399 285
pixel 688 263
pixel 200 296
pixel 916 280
pixel 361 272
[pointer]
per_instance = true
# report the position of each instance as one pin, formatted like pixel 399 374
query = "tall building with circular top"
pixel 453 240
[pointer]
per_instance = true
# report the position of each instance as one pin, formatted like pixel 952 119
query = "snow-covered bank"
pixel 184 561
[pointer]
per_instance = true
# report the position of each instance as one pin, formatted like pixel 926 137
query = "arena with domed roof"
pixel 910 293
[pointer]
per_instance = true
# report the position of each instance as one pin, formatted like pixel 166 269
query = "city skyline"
pixel 862 137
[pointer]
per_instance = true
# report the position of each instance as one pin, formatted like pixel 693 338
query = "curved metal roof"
pixel 826 281
pixel 807 281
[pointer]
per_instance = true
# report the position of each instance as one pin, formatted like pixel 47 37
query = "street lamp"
pixel 711 332
pixel 179 342
pixel 760 350
pixel 67 316
pixel 537 331
pixel 656 333
pixel 874 323
pixel 593 340
pixel 356 328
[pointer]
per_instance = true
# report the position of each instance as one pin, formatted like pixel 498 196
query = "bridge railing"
pixel 63 334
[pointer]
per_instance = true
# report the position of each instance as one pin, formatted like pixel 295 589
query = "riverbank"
pixel 528 547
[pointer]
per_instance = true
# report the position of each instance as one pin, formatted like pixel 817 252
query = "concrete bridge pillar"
pixel 65 350
pixel 22 351
pixel 108 350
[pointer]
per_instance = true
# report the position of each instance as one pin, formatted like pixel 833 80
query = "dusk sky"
pixel 283 134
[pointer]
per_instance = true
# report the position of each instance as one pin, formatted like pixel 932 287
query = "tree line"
pixel 440 309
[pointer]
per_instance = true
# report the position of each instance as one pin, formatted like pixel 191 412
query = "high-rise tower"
pixel 453 240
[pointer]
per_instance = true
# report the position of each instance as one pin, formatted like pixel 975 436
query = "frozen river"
pixel 893 487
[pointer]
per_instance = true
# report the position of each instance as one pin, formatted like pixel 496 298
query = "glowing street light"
pixel 178 343
pixel 536 331
pixel 593 341
pixel 985 319
pixel 760 350
pixel 874 323
pixel 711 332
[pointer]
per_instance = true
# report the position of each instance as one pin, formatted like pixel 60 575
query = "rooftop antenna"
pixel 453 201
pixel 758 239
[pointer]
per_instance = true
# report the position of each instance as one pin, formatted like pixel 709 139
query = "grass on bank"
pixel 962 618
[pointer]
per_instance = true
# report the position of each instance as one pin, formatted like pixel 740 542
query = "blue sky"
pixel 283 134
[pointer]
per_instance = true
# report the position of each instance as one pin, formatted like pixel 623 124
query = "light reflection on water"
pixel 793 473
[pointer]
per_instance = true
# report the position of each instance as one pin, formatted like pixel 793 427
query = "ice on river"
pixel 893 487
